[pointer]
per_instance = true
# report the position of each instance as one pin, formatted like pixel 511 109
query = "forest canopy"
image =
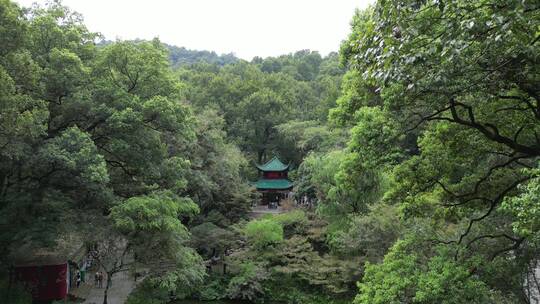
pixel 414 153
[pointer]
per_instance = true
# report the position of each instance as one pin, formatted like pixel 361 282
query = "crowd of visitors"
pixel 86 265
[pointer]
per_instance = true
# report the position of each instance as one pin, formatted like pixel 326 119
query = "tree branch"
pixel 492 134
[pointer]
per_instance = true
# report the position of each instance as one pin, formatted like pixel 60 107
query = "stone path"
pixel 533 281
pixel 259 211
pixel 122 286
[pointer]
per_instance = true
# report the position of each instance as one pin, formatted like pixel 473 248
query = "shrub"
pixel 247 284
pixel 264 232
pixel 294 222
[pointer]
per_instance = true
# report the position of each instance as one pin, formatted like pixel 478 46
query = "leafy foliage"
pixel 525 207
pixel 180 56
pixel 255 98
pixel 262 233
pixel 440 99
pixel 97 139
pixel 414 154
pixel 404 278
pixel 248 284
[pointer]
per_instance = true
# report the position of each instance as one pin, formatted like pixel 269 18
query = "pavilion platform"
pixel 261 210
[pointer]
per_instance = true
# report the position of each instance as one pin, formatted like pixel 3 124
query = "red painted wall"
pixel 275 175
pixel 47 282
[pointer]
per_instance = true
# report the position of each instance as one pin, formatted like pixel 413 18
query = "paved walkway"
pixel 122 285
pixel 259 211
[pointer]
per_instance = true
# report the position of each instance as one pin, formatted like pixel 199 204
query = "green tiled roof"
pixel 273 184
pixel 273 165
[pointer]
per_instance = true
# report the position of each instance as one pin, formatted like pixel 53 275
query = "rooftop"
pixel 273 184
pixel 273 165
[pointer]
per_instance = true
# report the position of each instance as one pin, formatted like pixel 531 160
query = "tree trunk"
pixel 4 186
pixel 109 284
pixel 261 156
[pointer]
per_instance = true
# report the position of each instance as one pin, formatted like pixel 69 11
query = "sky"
pixel 246 28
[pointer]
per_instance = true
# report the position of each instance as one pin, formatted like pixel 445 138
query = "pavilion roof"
pixel 273 184
pixel 273 165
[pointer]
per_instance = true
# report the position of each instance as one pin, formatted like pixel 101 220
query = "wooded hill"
pixel 418 144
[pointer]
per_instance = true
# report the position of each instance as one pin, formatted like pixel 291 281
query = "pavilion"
pixel 273 183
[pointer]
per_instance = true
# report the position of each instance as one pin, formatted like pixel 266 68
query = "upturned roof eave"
pixel 273 184
pixel 266 168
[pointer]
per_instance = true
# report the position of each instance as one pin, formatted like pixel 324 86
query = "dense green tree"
pixel 211 240
pixel 525 207
pixel 90 136
pixel 404 277
pixel 444 96
pixel 298 138
pixel 261 112
pixel 425 169
pixel 369 235
pixel 254 98
pixel 13 29
pixel 180 56
pixel 248 284
pixel 215 179
pixel 262 233
pixel 158 240
pixel 46 163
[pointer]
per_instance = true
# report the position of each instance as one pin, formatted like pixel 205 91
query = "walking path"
pixel 259 211
pixel 122 286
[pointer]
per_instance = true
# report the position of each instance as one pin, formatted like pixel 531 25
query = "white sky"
pixel 245 27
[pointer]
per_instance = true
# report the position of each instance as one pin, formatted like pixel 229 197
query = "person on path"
pixel 83 272
pixel 100 280
pixel 96 279
pixel 78 278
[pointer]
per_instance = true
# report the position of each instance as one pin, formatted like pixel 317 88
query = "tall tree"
pixel 449 93
pixel 89 136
